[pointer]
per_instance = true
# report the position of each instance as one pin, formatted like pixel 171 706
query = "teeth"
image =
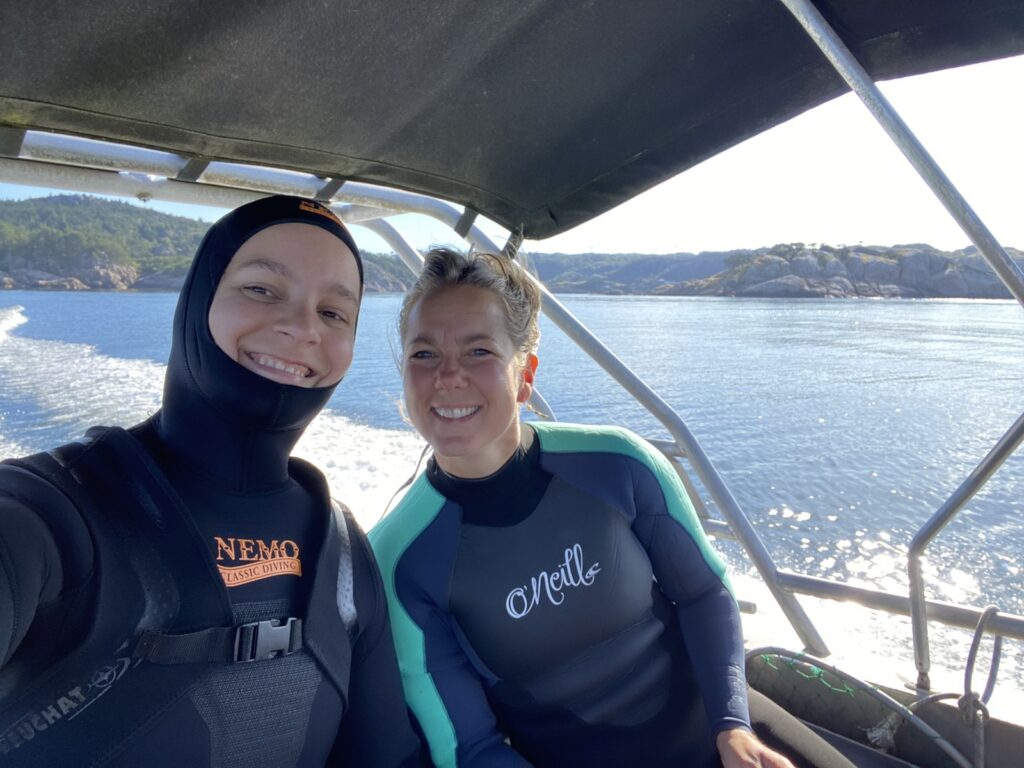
pixel 300 371
pixel 456 413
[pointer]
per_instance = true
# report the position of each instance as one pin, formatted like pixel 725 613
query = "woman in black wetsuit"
pixel 554 598
pixel 182 593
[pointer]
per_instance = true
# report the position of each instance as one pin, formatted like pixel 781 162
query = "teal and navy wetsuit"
pixel 571 603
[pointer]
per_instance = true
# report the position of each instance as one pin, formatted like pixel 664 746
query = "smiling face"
pixel 462 381
pixel 287 304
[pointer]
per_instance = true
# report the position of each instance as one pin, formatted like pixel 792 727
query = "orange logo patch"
pixel 311 207
pixel 256 560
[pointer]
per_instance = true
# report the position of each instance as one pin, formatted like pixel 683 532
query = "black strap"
pixel 193 169
pixel 329 190
pixel 514 242
pixel 11 140
pixel 465 222
pixel 246 642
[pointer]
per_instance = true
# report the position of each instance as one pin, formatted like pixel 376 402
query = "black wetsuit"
pixel 195 522
pixel 570 603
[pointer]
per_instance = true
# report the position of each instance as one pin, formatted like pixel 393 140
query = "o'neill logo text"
pixel 522 600
pixel 256 559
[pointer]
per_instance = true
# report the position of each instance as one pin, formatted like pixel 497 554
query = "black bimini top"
pixel 542 113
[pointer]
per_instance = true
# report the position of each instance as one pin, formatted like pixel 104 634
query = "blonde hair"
pixel 519 295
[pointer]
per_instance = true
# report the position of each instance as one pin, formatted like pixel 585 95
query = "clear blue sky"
pixel 830 176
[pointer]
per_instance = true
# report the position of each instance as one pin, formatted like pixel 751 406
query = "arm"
pixel 31 573
pixel 416 548
pixel 692 576
pixel 448 698
pixel 714 639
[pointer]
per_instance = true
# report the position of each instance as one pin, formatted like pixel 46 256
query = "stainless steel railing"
pixel 846 64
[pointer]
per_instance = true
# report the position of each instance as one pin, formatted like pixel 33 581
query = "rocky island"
pixel 906 271
pixel 78 242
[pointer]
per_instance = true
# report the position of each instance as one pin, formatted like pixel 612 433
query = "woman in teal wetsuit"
pixel 554 600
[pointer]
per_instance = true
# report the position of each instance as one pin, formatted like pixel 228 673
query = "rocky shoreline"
pixel 92 273
pixel 914 272
pixel 88 272
pixel 783 271
pixel 78 243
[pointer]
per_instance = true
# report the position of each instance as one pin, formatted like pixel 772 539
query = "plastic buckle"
pixel 264 639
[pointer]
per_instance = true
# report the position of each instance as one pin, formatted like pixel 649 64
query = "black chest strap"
pixel 255 640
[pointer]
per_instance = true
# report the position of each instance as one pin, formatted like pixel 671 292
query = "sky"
pixel 828 176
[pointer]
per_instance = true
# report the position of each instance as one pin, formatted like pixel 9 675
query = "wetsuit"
pixel 571 603
pixel 146 576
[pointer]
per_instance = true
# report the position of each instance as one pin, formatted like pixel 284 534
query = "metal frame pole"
pixel 988 466
pixel 861 83
pixel 846 64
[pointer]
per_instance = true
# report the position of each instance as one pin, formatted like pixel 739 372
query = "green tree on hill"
pixel 64 230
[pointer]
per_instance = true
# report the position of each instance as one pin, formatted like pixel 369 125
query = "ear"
pixel 529 371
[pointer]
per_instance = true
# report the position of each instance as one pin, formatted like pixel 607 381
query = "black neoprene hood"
pixel 203 383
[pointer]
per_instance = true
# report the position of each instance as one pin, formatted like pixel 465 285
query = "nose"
pixel 300 322
pixel 449 373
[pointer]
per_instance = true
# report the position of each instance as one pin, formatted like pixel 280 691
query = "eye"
pixel 334 316
pixel 422 354
pixel 480 352
pixel 258 291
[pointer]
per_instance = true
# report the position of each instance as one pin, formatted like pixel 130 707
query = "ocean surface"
pixel 840 426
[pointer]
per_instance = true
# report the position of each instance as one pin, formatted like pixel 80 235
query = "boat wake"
pixel 53 391
pixel 11 318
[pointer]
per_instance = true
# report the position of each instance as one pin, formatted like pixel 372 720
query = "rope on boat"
pixel 975 714
pixel 905 712
pixel 972 706
pixel 997 647
pixel 965 704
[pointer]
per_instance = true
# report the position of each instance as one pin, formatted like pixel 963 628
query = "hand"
pixel 740 748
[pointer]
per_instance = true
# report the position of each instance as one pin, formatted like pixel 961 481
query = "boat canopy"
pixel 536 114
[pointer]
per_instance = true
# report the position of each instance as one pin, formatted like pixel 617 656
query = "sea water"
pixel 840 427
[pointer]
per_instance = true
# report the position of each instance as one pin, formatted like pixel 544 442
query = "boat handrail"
pixel 1011 275
pixel 966 617
pixel 974 482
pixel 71 162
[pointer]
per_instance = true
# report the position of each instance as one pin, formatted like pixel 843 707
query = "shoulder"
pixel 615 463
pixel 41 493
pixel 49 480
pixel 406 522
pixel 311 478
pixel 24 487
pixel 588 439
